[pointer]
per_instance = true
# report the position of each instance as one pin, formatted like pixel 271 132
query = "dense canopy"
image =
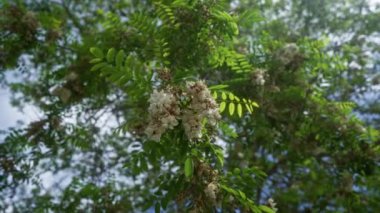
pixel 191 106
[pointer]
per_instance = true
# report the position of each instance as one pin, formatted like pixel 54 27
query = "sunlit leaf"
pixel 97 52
pixel 222 107
pixel 231 108
pixel 239 110
pixel 189 168
pixel 224 96
pixel 216 87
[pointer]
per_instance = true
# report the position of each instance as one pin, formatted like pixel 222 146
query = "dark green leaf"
pixel 157 208
pixel 111 55
pixel 98 66
pixel 119 58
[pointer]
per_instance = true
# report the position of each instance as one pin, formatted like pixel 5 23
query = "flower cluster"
pixel 272 204
pixel 202 106
pixel 288 53
pixel 211 191
pixel 163 111
pixel 258 77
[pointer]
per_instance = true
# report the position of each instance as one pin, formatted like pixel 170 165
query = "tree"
pixel 163 105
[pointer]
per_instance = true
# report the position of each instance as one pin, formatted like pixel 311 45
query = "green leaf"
pixel 98 66
pixel 97 52
pixel 189 167
pixel 229 189
pixel 219 155
pixel 254 209
pixel 237 171
pixel 220 160
pixel 224 96
pixel 222 107
pixel 219 86
pixel 239 110
pixel 215 95
pixel 96 60
pixel 242 195
pixel 107 69
pixel 157 208
pixel 254 104
pixel 231 108
pixel 165 201
pixel 111 55
pixel 234 28
pixel 231 96
pixel 266 209
pixel 119 58
pixel 248 108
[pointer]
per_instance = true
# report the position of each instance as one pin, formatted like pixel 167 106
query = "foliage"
pixel 93 68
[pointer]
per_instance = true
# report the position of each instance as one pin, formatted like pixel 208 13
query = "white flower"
pixel 163 111
pixel 211 191
pixel 258 77
pixel 288 53
pixel 272 204
pixel 202 106
pixel 192 123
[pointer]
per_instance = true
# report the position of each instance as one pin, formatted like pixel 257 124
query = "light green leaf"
pixel 97 52
pixel 254 209
pixel 219 156
pixel 248 108
pixel 234 27
pixel 254 104
pixel 239 110
pixel 189 167
pixel 224 96
pixel 111 55
pixel 231 108
pixel 231 96
pixel 242 195
pixel 222 107
pixel 215 95
pixel 219 86
pixel 266 209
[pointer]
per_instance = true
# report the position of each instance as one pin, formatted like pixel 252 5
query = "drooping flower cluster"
pixel 258 77
pixel 288 53
pixel 163 111
pixel 210 178
pixel 272 204
pixel 202 106
pixel 211 191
